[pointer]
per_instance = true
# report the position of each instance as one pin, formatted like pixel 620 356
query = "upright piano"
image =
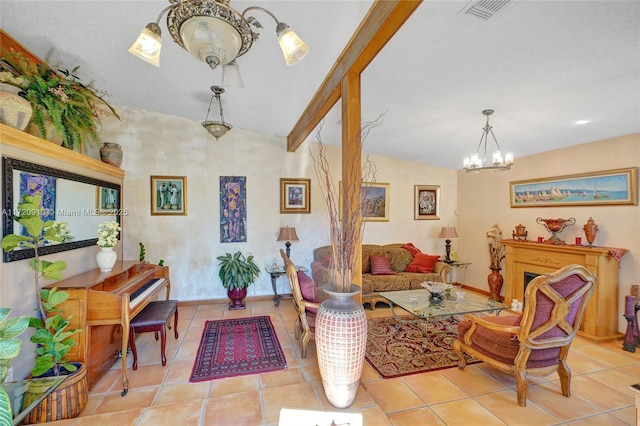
pixel 102 305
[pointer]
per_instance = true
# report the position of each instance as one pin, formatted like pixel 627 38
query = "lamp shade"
pixel 448 232
pixel 147 46
pixel 288 234
pixel 293 48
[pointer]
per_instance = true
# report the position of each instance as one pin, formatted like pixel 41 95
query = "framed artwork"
pixel 426 202
pixel 295 195
pixel 169 195
pixel 45 186
pixel 233 209
pixel 375 201
pixel 106 200
pixel 608 187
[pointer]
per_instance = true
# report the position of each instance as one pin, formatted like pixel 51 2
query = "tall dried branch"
pixel 346 226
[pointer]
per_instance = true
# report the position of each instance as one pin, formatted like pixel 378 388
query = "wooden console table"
pixel 601 317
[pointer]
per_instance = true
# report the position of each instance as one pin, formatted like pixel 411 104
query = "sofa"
pixel 406 268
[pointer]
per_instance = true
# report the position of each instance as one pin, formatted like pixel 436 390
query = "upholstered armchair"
pixel 306 301
pixel 537 342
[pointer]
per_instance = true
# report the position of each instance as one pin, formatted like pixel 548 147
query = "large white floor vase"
pixel 106 258
pixel 341 338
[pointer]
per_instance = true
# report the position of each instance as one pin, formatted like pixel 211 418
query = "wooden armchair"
pixel 306 308
pixel 537 342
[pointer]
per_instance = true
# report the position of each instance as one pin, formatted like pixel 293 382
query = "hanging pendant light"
pixel 477 161
pixel 217 129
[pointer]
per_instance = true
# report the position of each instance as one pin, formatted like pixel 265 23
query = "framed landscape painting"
pixel 608 187
pixel 295 195
pixel 169 195
pixel 426 202
pixel 375 201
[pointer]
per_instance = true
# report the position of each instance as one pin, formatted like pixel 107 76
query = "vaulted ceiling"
pixel 545 67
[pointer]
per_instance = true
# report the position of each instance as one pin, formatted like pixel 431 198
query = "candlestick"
pixel 629 305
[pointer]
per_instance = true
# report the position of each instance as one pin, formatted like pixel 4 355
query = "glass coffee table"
pixel 424 307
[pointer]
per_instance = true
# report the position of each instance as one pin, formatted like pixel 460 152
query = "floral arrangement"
pixel 108 233
pixel 58 96
pixel 496 249
pixel 62 232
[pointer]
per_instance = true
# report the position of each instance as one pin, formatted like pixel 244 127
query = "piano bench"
pixel 154 317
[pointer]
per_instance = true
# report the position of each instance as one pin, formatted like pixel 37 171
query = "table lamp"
pixel 448 232
pixel 288 234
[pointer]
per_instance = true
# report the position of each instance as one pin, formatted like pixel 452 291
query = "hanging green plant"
pixel 59 97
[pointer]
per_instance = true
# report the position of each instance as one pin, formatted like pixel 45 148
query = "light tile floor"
pixel 479 395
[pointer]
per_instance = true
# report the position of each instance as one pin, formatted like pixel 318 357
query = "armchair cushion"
pixel 423 263
pixel 380 265
pixel 308 287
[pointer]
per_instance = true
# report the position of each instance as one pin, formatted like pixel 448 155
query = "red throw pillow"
pixel 307 287
pixel 423 263
pixel 411 249
pixel 380 265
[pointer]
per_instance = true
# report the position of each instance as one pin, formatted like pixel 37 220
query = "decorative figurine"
pixel 520 233
pixel 590 230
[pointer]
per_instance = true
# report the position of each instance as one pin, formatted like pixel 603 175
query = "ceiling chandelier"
pixel 217 129
pixel 478 160
pixel 214 33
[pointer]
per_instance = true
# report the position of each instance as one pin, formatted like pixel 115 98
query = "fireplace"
pixel 524 260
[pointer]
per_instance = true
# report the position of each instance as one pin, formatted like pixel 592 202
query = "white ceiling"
pixel 541 65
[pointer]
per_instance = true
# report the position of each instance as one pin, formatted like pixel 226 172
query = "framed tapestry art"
pixel 609 187
pixel 426 202
pixel 169 195
pixel 233 209
pixel 295 195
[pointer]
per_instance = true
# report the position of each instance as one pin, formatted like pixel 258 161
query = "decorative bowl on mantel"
pixel 555 226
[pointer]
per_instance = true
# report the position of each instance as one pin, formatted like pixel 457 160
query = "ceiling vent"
pixel 486 9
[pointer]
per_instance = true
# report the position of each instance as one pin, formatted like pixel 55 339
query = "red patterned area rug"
pixel 237 347
pixel 399 352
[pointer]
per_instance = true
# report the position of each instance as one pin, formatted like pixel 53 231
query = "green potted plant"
pixel 10 345
pixel 237 272
pixel 60 101
pixel 52 335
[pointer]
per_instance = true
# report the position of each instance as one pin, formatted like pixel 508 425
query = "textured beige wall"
pixel 157 144
pixel 483 200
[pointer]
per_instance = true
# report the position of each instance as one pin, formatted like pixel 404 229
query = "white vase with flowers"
pixel 107 239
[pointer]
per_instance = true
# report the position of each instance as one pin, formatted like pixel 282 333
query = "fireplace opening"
pixel 528 277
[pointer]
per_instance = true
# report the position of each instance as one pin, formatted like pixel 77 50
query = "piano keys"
pixel 102 305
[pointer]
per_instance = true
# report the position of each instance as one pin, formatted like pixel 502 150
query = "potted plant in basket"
pixel 63 107
pixel 341 323
pixel 52 335
pixel 237 272
pixel 10 345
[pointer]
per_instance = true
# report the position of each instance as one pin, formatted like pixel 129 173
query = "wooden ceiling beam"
pixel 384 19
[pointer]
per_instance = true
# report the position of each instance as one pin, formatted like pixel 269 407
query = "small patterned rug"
pixel 399 352
pixel 237 347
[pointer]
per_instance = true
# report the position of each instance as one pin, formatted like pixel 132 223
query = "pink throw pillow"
pixel 380 265
pixel 422 263
pixel 308 287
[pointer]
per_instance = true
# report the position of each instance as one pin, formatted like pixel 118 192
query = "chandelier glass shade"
pixel 217 129
pixel 214 33
pixel 477 161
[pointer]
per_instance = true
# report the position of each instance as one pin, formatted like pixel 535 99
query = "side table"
pixel 459 265
pixel 275 273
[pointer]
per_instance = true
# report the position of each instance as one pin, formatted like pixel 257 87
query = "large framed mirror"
pixel 83 202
